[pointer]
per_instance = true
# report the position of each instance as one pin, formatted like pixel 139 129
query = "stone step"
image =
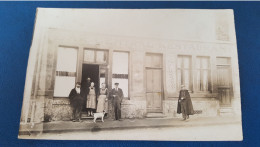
pixel 155 115
pixel 226 111
pixel 84 115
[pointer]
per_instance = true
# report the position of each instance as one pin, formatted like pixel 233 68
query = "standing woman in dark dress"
pixel 184 103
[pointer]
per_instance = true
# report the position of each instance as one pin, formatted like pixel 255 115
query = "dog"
pixel 99 115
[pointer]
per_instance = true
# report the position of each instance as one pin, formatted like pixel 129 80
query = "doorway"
pixel 224 85
pixel 89 71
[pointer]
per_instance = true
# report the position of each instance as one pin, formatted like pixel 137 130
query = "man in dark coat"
pixel 76 102
pixel 117 96
pixel 85 89
pixel 184 103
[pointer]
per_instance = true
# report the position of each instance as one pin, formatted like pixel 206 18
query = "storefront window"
pixel 120 70
pixel 184 72
pixel 65 71
pixel 203 73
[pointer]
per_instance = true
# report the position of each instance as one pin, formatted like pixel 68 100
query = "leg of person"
pixel 73 113
pixel 183 111
pixel 119 111
pixel 91 112
pixel 77 114
pixel 80 110
pixel 116 111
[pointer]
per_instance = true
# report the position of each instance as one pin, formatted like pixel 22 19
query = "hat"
pixel 116 83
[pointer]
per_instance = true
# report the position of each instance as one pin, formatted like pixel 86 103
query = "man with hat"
pixel 117 95
pixel 184 103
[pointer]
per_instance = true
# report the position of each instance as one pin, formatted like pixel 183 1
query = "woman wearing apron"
pixel 91 99
pixel 102 99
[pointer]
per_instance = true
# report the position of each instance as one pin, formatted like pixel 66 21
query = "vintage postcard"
pixel 132 74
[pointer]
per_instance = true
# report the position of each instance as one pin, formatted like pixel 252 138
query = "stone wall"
pixel 60 110
pixel 203 107
pixel 133 109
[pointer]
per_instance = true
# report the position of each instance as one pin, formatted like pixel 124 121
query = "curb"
pixel 98 129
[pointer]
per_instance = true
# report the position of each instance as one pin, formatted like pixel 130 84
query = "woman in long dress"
pixel 102 99
pixel 91 99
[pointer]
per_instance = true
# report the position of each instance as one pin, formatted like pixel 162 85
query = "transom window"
pixel 95 56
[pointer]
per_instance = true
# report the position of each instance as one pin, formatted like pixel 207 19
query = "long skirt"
pixel 102 104
pixel 91 101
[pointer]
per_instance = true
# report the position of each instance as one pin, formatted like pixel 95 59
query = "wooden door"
pixel 224 85
pixel 154 90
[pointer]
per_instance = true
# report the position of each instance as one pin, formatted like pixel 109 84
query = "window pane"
pixel 120 71
pixel 198 79
pixel 101 57
pixel 148 60
pixel 120 63
pixel 205 63
pixel 67 59
pixel 179 62
pixel 187 79
pixel 157 61
pixel 179 79
pixel 63 86
pixel 89 55
pixel 186 62
pixel 205 80
pixel 198 63
pixel 102 76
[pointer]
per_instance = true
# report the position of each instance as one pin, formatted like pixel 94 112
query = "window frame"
pixel 76 73
pixel 190 88
pixel 129 73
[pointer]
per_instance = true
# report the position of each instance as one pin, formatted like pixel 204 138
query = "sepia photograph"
pixel 132 74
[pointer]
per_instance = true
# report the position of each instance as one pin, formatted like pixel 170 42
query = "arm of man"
pixel 72 93
pixel 110 94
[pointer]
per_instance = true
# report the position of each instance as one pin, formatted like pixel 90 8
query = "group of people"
pixel 86 96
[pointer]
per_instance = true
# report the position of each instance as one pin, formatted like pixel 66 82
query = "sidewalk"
pixel 88 125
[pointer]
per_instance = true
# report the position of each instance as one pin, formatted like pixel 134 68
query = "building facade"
pixel 149 71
